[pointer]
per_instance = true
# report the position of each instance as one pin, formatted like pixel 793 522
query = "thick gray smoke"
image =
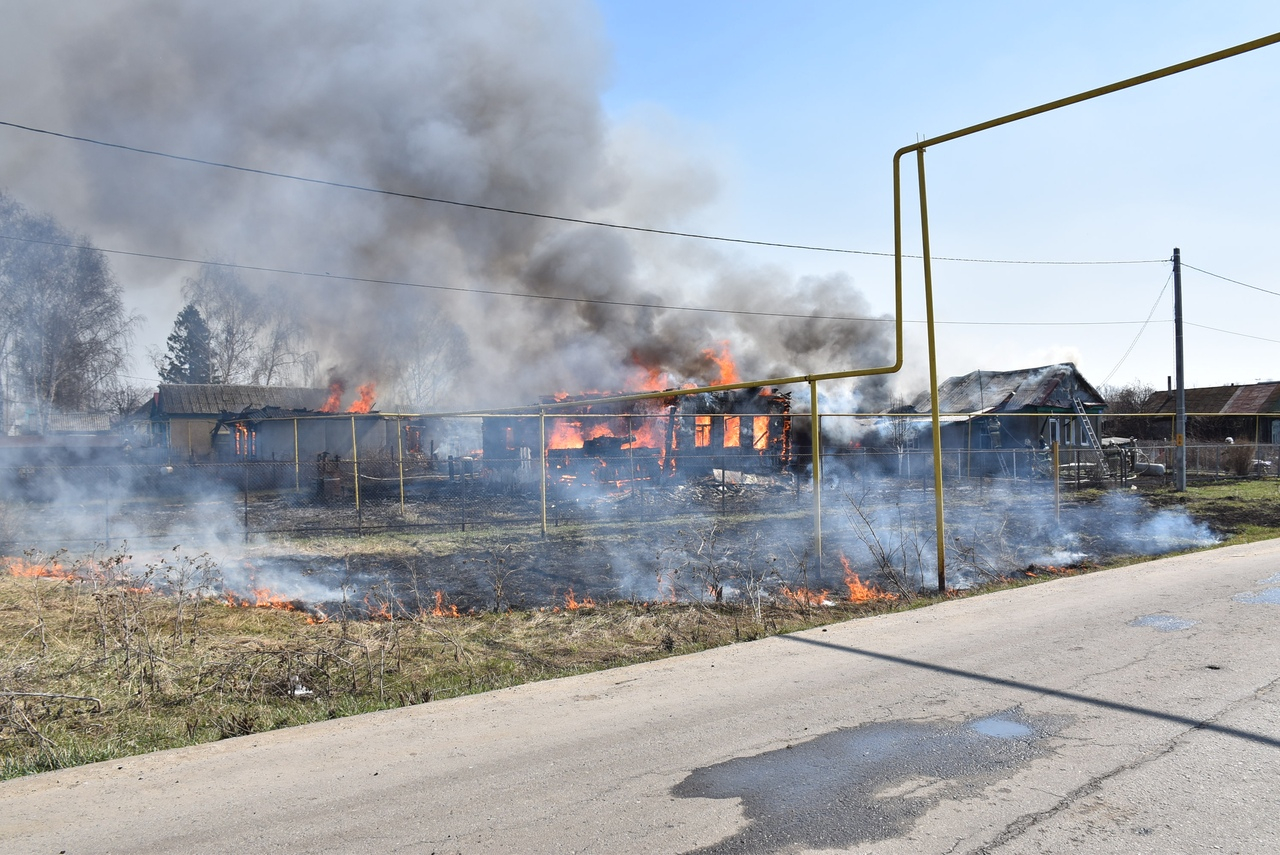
pixel 495 102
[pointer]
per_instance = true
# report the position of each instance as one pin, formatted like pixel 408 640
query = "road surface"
pixel 1128 711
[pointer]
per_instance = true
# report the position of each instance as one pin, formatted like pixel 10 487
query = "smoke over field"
pixel 494 104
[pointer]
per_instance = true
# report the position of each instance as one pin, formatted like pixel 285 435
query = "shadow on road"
pixel 1132 709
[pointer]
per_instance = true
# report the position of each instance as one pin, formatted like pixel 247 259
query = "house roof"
pixel 212 399
pixel 1251 399
pixel 79 423
pixel 1049 386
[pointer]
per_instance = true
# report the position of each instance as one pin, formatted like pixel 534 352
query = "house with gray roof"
pixel 183 417
pixel 1029 407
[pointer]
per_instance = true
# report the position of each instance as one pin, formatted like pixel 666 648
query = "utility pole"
pixel 1180 417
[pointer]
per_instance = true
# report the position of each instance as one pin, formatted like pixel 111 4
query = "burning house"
pixel 183 418
pixel 337 447
pixel 746 431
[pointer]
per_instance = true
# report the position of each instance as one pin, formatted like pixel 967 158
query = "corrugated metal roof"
pixel 214 399
pixel 79 422
pixel 1251 399
pixel 1013 391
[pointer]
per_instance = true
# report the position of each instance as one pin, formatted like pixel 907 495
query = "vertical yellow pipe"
pixel 933 378
pixel 542 457
pixel 815 428
pixel 1057 486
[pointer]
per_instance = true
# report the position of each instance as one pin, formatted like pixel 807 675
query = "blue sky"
pixel 801 106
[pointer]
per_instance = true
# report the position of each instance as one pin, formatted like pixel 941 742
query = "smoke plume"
pixel 495 103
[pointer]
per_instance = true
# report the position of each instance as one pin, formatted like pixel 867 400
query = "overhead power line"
pixel 493 292
pixel 535 214
pixel 1232 332
pixel 1232 281
pixel 1134 343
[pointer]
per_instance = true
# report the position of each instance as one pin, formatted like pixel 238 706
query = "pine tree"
pixel 190 355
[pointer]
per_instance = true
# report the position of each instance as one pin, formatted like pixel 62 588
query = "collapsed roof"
pixel 1049 387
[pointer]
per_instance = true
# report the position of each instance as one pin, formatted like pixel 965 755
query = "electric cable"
pixel 1143 329
pixel 1232 281
pixel 493 292
pixel 538 215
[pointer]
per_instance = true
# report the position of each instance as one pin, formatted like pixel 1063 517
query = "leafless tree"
pixel 1124 402
pixel 254 337
pixel 64 331
pixel 429 356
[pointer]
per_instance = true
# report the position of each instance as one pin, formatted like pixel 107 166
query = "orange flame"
pixel 33 570
pixel 760 433
pixel 572 604
pixel 261 598
pixel 334 402
pixel 724 362
pixel 365 404
pixel 733 431
pixel 859 591
pixel 806 596
pixel 378 611
pixel 440 610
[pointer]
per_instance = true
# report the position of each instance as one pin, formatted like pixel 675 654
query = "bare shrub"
pixel 1239 459
pixel 895 539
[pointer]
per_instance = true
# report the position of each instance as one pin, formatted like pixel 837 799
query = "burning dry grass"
pixel 94 667
pixel 95 664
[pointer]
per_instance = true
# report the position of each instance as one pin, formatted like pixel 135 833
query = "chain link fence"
pixel 490 476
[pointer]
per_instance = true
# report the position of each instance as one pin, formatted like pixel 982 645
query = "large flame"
pixel 365 404
pixel 334 402
pixel 724 363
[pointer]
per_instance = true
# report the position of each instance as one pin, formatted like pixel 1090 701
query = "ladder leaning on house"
pixel 1103 470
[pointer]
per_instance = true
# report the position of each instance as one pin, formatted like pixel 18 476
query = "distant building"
pixel 1250 412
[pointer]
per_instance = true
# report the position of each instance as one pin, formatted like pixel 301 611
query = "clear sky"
pixel 765 121
pixel 802 105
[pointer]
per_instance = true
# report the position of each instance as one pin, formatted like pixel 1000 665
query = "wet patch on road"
pixel 866 783
pixel 1164 623
pixel 1270 595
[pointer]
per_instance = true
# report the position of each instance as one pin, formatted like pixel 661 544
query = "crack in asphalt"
pixel 1024 823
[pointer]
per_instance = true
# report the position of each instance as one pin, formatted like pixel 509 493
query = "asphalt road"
pixel 1129 711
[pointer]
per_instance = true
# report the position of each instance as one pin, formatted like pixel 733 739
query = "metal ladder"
pixel 1103 470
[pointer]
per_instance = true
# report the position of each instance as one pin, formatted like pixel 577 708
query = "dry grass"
pixel 95 664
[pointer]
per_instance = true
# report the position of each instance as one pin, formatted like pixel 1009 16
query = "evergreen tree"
pixel 190 355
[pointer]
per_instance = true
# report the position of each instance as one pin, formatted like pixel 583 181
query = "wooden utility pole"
pixel 1180 417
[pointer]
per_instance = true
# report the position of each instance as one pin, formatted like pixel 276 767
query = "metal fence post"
pixel 542 465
